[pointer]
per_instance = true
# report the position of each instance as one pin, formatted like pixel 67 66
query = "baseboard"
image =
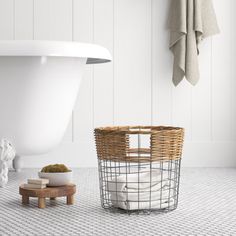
pixel 209 154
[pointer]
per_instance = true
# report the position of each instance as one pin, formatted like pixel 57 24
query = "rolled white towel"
pixel 128 205
pixel 141 191
pixel 159 191
pixel 135 181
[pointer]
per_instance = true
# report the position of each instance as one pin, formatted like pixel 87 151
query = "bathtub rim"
pixel 94 53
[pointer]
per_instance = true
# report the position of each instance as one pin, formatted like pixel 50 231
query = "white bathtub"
pixel 39 83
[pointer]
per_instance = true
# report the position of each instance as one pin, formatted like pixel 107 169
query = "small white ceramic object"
pixel 7 153
pixel 57 178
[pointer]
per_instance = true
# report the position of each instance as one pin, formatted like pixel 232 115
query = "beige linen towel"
pixel 190 21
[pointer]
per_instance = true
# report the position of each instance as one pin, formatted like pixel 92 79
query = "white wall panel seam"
pixel 113 67
pixel 232 12
pixel 151 59
pixel 93 89
pixel 14 20
pixel 72 38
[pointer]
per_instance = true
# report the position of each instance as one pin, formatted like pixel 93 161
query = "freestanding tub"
pixel 39 83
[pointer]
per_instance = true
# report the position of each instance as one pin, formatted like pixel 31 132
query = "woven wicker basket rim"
pixel 137 129
pixel 113 143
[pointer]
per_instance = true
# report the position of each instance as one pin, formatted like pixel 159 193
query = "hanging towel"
pixel 190 21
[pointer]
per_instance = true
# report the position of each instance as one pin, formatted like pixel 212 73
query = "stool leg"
pixel 25 200
pixel 52 198
pixel 70 200
pixel 41 202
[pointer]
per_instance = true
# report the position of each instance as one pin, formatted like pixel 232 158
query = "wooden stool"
pixel 67 191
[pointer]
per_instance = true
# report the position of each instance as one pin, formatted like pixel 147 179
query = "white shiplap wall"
pixel 136 88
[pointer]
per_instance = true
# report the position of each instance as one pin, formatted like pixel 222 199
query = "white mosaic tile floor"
pixel 207 207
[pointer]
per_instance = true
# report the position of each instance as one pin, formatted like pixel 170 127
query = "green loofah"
pixel 55 168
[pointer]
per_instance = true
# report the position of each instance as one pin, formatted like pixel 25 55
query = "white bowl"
pixel 57 178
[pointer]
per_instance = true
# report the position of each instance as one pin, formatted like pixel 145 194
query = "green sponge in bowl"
pixel 56 168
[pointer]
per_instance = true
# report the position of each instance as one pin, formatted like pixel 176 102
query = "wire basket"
pixel 139 167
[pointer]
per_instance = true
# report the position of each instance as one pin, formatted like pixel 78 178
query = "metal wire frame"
pixel 167 199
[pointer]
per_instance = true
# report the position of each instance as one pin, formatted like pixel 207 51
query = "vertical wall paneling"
pixel 201 96
pixel 161 65
pixel 103 73
pixel 233 64
pixel 24 19
pixel 6 19
pixel 83 32
pixel 53 21
pixel 42 20
pixel 136 88
pixel 84 110
pixel 222 73
pixel 181 108
pixel 132 80
pixel 149 60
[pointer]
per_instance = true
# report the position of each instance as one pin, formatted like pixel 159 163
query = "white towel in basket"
pixel 135 181
pixel 158 191
pixel 141 191
pixel 128 205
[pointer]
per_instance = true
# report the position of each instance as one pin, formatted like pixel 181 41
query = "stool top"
pixel 60 191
